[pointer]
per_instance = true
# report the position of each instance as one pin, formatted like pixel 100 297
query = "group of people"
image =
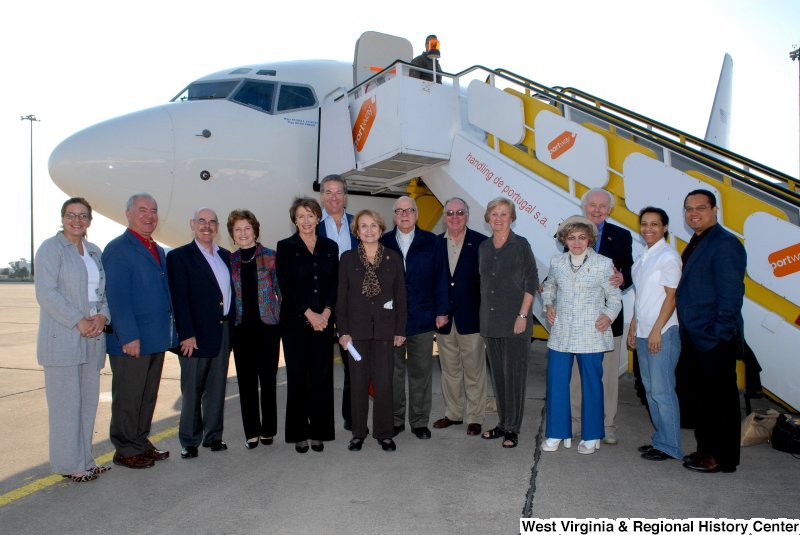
pixel 382 295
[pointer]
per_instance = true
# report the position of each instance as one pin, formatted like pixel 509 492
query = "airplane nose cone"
pixel 108 162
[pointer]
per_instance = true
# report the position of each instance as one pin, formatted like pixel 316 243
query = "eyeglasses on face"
pixel 701 208
pixel 70 216
pixel 459 213
pixel 401 211
pixel 210 222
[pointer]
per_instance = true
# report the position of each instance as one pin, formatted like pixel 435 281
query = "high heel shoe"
pixel 301 447
pixel 551 444
pixel 587 447
pixel 251 443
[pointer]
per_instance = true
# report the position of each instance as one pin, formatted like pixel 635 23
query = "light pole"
pixel 794 55
pixel 31 118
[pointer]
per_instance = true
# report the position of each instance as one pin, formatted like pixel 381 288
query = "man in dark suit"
pixel 426 288
pixel 461 348
pixel 142 330
pixel 615 243
pixel 200 282
pixel 709 302
pixel 335 224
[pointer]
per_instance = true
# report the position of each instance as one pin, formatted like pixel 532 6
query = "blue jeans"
pixel 559 417
pixel 658 377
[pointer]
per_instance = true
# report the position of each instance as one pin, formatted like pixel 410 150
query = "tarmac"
pixel 452 483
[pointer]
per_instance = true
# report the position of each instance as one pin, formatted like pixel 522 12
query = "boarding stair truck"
pixel 486 133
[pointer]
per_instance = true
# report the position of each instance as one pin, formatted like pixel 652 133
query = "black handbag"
pixel 786 435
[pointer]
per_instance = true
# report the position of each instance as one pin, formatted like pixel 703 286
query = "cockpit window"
pixel 259 95
pixel 207 90
pixel 295 97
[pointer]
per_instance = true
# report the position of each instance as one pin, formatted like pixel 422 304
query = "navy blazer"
pixel 426 279
pixel 322 231
pixel 616 243
pixel 197 299
pixel 464 285
pixel 711 290
pixel 138 297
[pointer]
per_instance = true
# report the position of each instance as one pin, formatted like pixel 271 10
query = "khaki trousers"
pixel 463 362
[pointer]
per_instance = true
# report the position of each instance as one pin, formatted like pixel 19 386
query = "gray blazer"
pixel 579 298
pixel 61 290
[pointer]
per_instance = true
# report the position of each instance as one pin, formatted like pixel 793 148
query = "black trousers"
pixel 256 350
pixel 376 366
pixel 309 382
pixel 134 391
pixel 715 406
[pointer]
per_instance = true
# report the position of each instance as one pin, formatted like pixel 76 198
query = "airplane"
pixel 257 136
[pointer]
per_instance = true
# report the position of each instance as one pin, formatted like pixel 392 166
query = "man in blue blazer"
pixel 461 348
pixel 142 330
pixel 200 283
pixel 426 289
pixel 709 303
pixel 335 224
pixel 615 243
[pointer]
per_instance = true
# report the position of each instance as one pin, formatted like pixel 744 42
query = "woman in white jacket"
pixel 581 303
pixel 70 289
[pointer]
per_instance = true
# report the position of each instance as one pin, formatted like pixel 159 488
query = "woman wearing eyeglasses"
pixel 70 289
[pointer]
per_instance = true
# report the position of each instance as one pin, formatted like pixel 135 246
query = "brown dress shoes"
pixel 446 422
pixel 133 461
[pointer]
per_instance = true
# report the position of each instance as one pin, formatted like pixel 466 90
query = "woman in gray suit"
pixel 581 303
pixel 70 289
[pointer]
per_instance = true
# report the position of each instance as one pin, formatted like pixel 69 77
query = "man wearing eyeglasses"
pixel 709 303
pixel 200 283
pixel 426 290
pixel 461 348
pixel 335 224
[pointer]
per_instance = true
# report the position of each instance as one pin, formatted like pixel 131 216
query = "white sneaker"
pixel 551 444
pixel 587 447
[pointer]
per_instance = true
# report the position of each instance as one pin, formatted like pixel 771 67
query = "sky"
pixel 74 64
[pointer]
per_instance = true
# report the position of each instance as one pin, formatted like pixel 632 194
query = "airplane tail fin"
pixel 719 122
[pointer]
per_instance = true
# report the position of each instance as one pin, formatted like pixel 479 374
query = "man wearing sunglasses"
pixel 461 348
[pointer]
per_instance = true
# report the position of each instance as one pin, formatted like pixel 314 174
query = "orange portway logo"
pixel 562 143
pixel 366 116
pixel 786 261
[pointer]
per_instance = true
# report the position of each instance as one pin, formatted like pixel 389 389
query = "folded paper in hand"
pixel 353 352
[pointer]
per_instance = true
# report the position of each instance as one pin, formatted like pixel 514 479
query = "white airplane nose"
pixel 108 162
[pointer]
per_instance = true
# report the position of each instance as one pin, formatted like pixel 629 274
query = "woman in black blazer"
pixel 371 318
pixel 307 268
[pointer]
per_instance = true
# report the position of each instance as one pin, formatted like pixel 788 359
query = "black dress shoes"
pixel 156 455
pixel 189 452
pixel 421 432
pixel 301 447
pixel 355 444
pixel 267 441
pixel 317 445
pixel 442 423
pixel 399 429
pixel 215 445
pixel 655 454
pixel 709 465
pixel 646 448
pixel 693 457
pixel 251 444
pixel 387 444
